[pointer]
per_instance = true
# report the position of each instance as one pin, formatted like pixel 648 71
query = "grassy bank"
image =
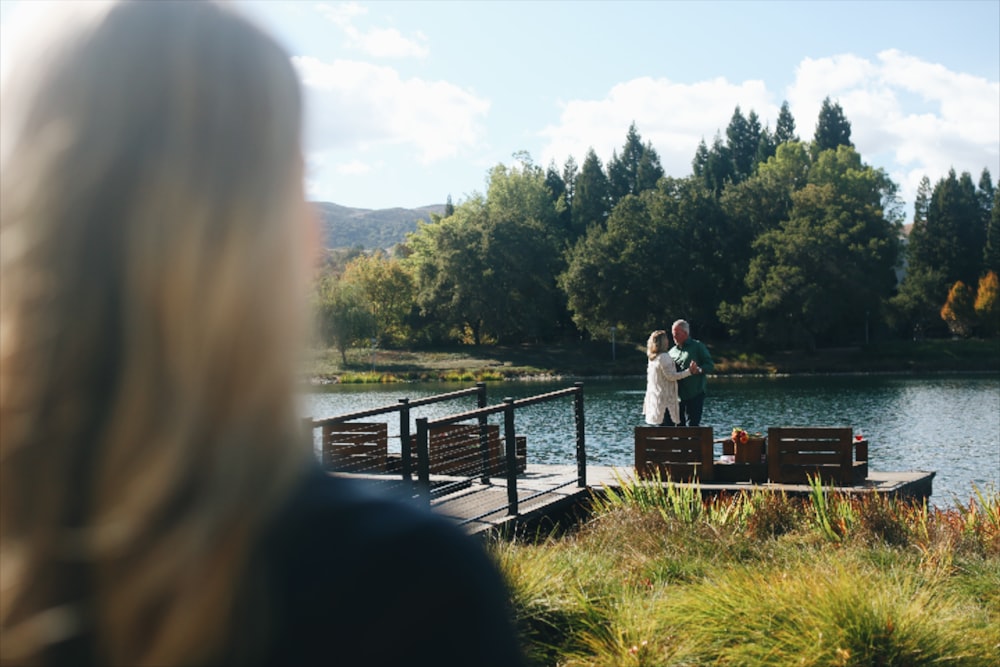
pixel 657 577
pixel 498 362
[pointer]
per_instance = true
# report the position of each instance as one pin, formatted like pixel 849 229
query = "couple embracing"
pixel 675 377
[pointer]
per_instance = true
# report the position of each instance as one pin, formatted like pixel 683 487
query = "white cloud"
pixel 355 106
pixel 375 42
pixel 354 167
pixel 674 117
pixel 918 117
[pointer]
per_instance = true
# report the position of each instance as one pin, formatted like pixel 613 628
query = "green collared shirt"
pixel 692 350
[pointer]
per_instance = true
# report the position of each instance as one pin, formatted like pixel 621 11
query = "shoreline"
pixel 581 361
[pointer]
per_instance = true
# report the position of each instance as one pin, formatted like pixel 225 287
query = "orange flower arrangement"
pixel 740 435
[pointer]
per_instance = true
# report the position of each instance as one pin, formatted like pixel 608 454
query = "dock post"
pixel 581 450
pixel 423 461
pixel 510 445
pixel 405 444
pixel 484 436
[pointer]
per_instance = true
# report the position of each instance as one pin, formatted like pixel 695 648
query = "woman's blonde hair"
pixel 657 344
pixel 152 257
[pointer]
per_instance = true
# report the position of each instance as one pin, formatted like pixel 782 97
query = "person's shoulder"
pixel 349 561
pixel 337 505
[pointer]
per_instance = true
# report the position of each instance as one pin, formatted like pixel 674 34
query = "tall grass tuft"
pixel 759 578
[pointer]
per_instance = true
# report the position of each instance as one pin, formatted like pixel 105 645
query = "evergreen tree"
pixel 832 128
pixel 699 165
pixel 449 208
pixel 766 147
pixel 637 169
pixel 719 166
pixel 557 187
pixel 742 144
pixel 954 234
pixel 985 195
pixel 991 249
pixel 569 174
pixel 590 197
pixel 915 308
pixel 784 130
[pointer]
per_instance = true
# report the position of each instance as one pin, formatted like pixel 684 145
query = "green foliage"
pixel 814 278
pixel 641 585
pixel 991 250
pixel 591 203
pixel 389 291
pixel 832 128
pixel 490 267
pixel 770 240
pixel 343 314
pixel 636 170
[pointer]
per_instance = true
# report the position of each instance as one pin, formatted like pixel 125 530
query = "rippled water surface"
pixel 946 423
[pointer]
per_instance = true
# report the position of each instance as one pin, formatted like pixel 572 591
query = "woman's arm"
pixel 669 370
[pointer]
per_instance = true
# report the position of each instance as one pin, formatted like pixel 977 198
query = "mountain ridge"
pixel 350 227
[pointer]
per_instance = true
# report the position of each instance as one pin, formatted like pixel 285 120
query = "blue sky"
pixel 408 102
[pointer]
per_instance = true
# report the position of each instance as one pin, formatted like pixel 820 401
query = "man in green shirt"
pixel 691 390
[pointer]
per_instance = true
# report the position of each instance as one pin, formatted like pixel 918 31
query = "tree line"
pixel 770 240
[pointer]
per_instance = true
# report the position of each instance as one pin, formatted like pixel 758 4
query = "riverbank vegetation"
pixel 770 241
pixel 490 363
pixel 656 576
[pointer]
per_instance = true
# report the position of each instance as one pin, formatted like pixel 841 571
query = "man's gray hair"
pixel 683 324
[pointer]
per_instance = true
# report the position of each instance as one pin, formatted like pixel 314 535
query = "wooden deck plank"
pixel 545 490
pixel 557 487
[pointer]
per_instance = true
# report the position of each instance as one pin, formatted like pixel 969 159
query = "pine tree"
pixel 742 145
pixel 991 249
pixel 832 128
pixel 637 169
pixel 784 130
pixel 590 197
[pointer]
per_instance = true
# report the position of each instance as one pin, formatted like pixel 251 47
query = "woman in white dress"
pixel 661 380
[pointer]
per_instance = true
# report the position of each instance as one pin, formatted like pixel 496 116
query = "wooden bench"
pixel 355 447
pixel 678 453
pixel 455 449
pixel 795 453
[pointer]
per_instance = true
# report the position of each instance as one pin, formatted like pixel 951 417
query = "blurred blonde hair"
pixel 657 344
pixel 152 244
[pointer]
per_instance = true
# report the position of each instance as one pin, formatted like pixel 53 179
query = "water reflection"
pixel 949 424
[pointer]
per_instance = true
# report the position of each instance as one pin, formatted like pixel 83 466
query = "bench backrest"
pixel 794 453
pixel 680 453
pixel 455 450
pixel 355 446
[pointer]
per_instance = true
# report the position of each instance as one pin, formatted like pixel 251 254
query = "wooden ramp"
pixel 549 492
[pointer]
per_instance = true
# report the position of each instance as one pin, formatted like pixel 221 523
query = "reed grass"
pixel 658 577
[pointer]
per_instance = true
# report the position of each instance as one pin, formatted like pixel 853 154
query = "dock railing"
pixel 474 449
pixel 349 445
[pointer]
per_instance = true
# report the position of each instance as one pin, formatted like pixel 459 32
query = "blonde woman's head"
pixel 658 343
pixel 153 244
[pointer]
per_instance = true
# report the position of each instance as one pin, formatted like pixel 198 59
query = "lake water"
pixel 946 423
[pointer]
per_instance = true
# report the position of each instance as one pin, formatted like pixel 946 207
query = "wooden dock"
pixel 547 493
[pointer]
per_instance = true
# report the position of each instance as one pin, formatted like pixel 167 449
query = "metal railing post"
pixel 581 449
pixel 423 461
pixel 510 446
pixel 484 436
pixel 405 445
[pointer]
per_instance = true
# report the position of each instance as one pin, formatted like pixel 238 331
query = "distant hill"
pixel 346 227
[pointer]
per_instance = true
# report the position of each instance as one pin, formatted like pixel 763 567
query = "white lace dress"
pixel 661 390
